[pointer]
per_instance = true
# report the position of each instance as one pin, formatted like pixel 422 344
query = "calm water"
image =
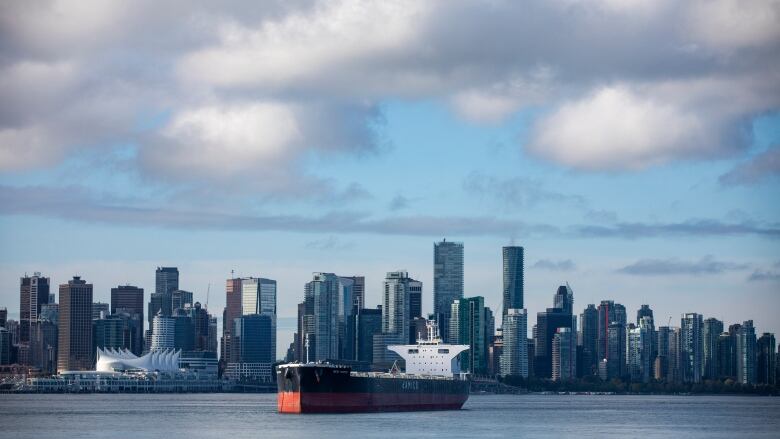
pixel 235 416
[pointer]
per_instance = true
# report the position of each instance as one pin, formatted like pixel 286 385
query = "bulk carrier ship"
pixel 427 384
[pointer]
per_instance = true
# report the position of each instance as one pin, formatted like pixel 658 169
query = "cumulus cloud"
pixel 660 267
pixel 630 84
pixel 755 170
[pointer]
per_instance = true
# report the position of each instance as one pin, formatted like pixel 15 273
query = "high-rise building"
pixel 100 310
pixel 643 311
pixel 232 311
pixel 513 280
pixel 616 350
pixel 163 332
pixel 470 314
pixel 74 350
pixel 514 358
pixel 589 337
pixel 447 281
pixel 713 328
pixel 647 347
pixel 358 284
pixel 746 353
pixel 33 293
pixel 180 299
pixel 166 282
pixel 6 346
pixel 564 355
pixel 254 347
pixel 326 294
pixel 547 324
pixel 400 294
pixel 609 312
pixel 109 332
pixel 662 349
pixel 766 359
pixel 692 347
pixel 3 316
pixel 43 346
pixel 727 356
pixel 129 300
pixel 258 296
pixel 205 335
pixel 183 330
pixel 368 322
pixel 564 299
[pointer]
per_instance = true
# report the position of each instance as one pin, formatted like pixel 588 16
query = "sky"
pixel 632 147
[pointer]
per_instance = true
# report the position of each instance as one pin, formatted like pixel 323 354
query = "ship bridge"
pixel 430 356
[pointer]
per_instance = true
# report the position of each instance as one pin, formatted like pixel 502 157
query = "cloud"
pixel 547 264
pixel 399 202
pixel 660 267
pixel 329 243
pixel 755 170
pixel 764 275
pixel 293 79
pixel 79 204
pixel 516 191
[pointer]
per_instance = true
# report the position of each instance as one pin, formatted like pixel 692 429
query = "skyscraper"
pixel 514 358
pixel 75 326
pixel 746 353
pixel 327 299
pixel 513 279
pixel 399 294
pixel 130 299
pixel 589 335
pixel 232 310
pixel 547 324
pixel 564 355
pixel 470 313
pixel 692 347
pixel 609 312
pixel 254 348
pixel 447 281
pixel 616 350
pixel 368 323
pixel 643 311
pixel 766 359
pixel 163 332
pixel 180 299
pixel 713 328
pixel 166 282
pixel 727 356
pixel 33 294
pixel 100 310
pixel 564 299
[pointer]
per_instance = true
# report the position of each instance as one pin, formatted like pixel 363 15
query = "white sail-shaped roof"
pixel 120 360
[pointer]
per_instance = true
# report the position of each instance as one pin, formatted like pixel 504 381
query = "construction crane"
pixel 208 290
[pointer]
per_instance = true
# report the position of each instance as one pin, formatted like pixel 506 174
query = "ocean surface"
pixel 233 416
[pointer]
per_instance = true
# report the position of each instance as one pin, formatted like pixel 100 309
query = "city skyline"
pixel 634 155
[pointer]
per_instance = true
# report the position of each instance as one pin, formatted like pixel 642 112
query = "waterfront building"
pixel 634 352
pixel 74 347
pixel 326 293
pixel 232 310
pixel 100 310
pixel 6 346
pixel 513 278
pixel 33 294
pixel 713 328
pixel 547 324
pixel 258 296
pixel 675 355
pixel 662 350
pixel 253 343
pixel 358 284
pixel 746 353
pixel 589 339
pixel 470 315
pixel 692 347
pixel 398 289
pixel 608 312
pixel 495 352
pixel 727 356
pixel 647 350
pixel 163 333
pixel 183 330
pixel 129 299
pixel 564 355
pixel 43 346
pixel 368 323
pixel 3 316
pixel 447 281
pixel 616 350
pixel 514 359
pixel 766 359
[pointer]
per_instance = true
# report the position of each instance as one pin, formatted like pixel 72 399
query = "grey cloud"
pixel 692 227
pixel 79 204
pixel 764 275
pixel 547 264
pixel 759 168
pixel 399 202
pixel 516 191
pixel 329 243
pixel 660 267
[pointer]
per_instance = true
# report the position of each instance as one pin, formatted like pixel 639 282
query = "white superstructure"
pixel 430 356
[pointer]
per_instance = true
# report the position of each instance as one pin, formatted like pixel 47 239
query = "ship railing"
pixel 400 375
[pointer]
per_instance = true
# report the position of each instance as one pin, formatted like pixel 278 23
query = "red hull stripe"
pixel 295 402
